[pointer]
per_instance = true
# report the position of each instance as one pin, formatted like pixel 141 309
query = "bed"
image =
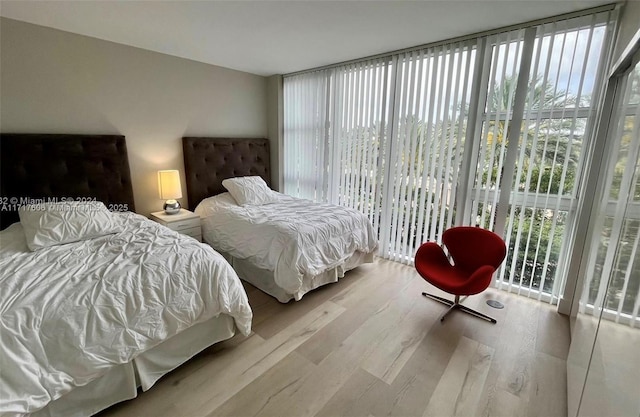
pixel 284 246
pixel 86 323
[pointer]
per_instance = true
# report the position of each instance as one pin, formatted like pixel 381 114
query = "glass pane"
pixel 612 292
pixel 615 271
pixel 535 246
pixel 505 58
pixel 432 100
pixel 625 273
pixel 552 150
pixel 556 126
pixel 567 56
pixel 358 137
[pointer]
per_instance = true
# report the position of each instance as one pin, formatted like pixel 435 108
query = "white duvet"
pixel 291 236
pixel 71 312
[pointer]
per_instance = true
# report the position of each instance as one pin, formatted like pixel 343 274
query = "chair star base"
pixel 453 305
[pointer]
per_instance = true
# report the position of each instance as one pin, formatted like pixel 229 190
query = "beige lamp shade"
pixel 169 184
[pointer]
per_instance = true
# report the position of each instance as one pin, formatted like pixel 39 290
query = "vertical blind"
pixel 612 285
pixel 489 152
pixel 488 132
pixel 431 103
pixel 358 138
pixel 305 141
pixel 532 175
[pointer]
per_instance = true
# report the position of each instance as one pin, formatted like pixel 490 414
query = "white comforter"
pixel 71 312
pixel 291 236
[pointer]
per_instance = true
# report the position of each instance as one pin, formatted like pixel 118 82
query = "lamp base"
pixel 172 207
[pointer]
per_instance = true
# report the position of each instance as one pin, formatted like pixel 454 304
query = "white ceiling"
pixel 279 37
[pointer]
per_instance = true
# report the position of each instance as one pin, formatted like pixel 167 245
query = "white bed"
pixel 84 324
pixel 287 246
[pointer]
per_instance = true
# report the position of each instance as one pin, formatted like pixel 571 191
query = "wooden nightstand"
pixel 185 222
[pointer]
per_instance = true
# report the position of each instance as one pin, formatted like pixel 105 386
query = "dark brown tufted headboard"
pixel 209 161
pixel 35 166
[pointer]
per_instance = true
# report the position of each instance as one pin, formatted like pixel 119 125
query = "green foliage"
pixel 551 180
pixel 547 145
pixel 540 242
pixel 540 96
pixel 624 263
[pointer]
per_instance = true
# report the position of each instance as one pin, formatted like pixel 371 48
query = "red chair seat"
pixel 476 254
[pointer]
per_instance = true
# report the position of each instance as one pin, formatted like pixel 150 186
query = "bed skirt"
pixel 121 383
pixel 265 280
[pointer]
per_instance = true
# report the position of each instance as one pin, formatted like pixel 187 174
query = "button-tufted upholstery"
pixel 70 166
pixel 209 161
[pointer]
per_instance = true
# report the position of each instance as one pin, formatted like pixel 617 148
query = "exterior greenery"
pixel 536 235
pixel 536 238
pixel 624 277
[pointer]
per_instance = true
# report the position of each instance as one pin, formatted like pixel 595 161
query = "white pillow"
pixel 249 190
pixel 50 224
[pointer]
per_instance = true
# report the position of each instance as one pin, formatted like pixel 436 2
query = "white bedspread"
pixel 69 313
pixel 293 237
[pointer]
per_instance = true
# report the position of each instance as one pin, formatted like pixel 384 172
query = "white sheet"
pixel 70 313
pixel 292 237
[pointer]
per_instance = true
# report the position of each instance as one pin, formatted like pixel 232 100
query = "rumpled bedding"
pixel 71 312
pixel 291 236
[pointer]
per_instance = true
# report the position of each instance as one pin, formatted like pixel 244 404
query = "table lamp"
pixel 169 189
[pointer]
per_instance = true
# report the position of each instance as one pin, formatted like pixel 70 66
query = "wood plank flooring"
pixel 372 345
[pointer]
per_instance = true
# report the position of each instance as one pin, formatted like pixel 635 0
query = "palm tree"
pixel 553 137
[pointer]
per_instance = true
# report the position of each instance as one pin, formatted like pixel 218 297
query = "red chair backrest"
pixel 473 247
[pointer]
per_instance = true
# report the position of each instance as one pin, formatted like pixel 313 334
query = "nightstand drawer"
pixel 182 225
pixel 185 222
pixel 193 232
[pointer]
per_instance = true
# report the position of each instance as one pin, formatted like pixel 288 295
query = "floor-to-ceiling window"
pixel 489 131
pixel 604 359
pixel 612 284
pixel 534 131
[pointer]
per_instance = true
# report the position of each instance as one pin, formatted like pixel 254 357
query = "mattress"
pixel 72 313
pixel 294 238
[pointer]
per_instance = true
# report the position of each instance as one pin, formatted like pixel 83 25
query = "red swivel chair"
pixel 476 254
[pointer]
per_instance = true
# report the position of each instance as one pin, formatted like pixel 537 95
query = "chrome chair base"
pixel 453 305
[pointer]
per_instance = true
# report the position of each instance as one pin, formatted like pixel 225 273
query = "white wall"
pixel 57 82
pixel 275 122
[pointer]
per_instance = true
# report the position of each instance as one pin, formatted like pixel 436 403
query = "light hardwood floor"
pixel 611 386
pixel 372 345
